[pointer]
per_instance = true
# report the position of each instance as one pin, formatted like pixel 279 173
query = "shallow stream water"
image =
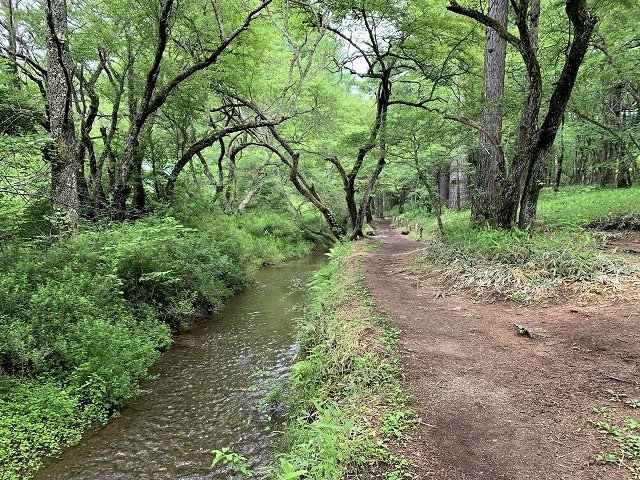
pixel 202 397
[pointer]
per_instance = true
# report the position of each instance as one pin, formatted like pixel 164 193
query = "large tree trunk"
pixel 366 195
pixel 66 165
pixel 490 167
pixel 458 178
pixel 583 23
pixel 534 141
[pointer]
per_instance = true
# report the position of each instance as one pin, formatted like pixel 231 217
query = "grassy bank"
pixel 347 405
pixel 83 319
pixel 513 264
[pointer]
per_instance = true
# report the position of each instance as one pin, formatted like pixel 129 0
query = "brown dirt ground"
pixel 495 405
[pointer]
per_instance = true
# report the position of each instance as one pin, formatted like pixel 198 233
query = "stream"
pixel 201 399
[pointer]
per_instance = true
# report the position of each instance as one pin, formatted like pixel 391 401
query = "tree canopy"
pixel 110 108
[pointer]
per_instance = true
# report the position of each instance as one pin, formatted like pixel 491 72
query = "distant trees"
pixel 605 111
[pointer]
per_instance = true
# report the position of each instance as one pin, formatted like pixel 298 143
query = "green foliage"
pixel 233 462
pixel 347 404
pixel 171 267
pixel 574 208
pixel 621 434
pixel 617 221
pixel 37 416
pixel 256 238
pixel 23 184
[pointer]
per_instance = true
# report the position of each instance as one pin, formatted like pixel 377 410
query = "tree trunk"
pixel 139 196
pixel 369 214
pixel 458 191
pixel 154 97
pixel 534 141
pixel 379 205
pixel 12 66
pixel 583 23
pixel 366 195
pixel 66 165
pixel 490 167
pixel 443 184
pixel 556 184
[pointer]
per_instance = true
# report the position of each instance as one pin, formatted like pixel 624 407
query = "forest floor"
pixel 494 404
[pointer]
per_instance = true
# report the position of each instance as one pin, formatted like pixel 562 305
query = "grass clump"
pixel 617 221
pixel 621 434
pixel 347 404
pixel 513 264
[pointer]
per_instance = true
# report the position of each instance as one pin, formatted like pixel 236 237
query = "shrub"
pixel 37 417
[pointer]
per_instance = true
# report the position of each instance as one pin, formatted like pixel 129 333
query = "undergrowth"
pixel 620 428
pixel 514 264
pixel 347 405
pixel 82 319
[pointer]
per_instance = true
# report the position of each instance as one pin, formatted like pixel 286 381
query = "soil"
pixel 494 404
pixel 622 242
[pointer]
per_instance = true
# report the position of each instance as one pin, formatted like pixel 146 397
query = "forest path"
pixel 495 405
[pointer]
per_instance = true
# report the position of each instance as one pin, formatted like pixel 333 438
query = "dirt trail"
pixel 496 405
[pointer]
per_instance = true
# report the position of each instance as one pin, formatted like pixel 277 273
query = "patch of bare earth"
pixel 496 405
pixel 625 242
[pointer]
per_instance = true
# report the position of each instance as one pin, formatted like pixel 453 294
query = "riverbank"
pixel 348 408
pixel 204 393
pixel 83 319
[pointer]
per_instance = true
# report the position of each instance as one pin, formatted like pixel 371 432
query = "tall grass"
pixel 575 208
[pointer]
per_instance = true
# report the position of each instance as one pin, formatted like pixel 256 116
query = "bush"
pixel 37 417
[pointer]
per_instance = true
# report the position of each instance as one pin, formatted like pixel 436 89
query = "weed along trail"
pixel 203 397
pixel 495 404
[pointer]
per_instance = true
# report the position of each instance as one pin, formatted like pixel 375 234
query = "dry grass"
pixel 530 283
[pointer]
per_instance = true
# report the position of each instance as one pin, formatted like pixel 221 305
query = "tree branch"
pixel 486 20
pixel 481 128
